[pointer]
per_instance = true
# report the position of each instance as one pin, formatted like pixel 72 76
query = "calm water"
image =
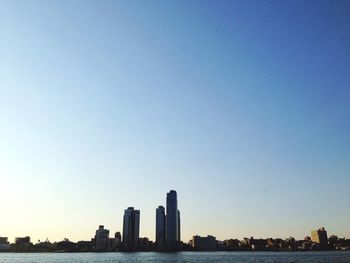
pixel 190 257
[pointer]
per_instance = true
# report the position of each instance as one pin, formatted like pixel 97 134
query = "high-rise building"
pixel 178 226
pixel 160 226
pixel 319 236
pixel 172 220
pixel 101 240
pixel 131 228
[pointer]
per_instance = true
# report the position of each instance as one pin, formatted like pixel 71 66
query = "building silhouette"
pixel 160 226
pixel 172 220
pixel 131 228
pixel 118 239
pixel 4 244
pixel 178 226
pixel 203 243
pixel 319 236
pixel 101 240
pixel 22 240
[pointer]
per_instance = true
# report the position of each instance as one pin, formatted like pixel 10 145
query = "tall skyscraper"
pixel 178 226
pixel 131 228
pixel 172 220
pixel 160 226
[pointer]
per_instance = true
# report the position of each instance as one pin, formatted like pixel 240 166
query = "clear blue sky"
pixel 243 107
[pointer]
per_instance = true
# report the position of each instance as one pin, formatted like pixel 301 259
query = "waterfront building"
pixel 21 241
pixel 255 244
pixel 258 244
pixel 178 226
pixel 66 246
pixel 208 243
pixel 4 244
pixel 118 239
pixel 101 240
pixel 131 228
pixel 84 246
pixel 172 220
pixel 145 244
pixel 160 226
pixel 274 243
pixel 319 236
pixel 232 244
pixel 112 244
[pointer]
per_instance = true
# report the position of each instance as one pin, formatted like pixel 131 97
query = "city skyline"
pixel 103 242
pixel 167 232
pixel 241 106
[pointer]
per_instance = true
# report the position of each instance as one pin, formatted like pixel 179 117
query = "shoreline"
pixel 175 252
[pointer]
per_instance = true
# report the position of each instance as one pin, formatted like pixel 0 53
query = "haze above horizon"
pixel 241 106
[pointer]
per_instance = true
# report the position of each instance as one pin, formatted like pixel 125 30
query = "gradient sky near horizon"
pixel 243 107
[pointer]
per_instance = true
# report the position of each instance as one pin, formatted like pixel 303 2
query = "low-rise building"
pixel 21 241
pixel 204 243
pixel 145 244
pixel 254 244
pixel 4 244
pixel 232 244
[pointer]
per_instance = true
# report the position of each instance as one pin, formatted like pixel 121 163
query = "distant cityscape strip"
pixel 168 238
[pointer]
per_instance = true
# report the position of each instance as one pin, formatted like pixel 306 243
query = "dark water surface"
pixel 190 257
